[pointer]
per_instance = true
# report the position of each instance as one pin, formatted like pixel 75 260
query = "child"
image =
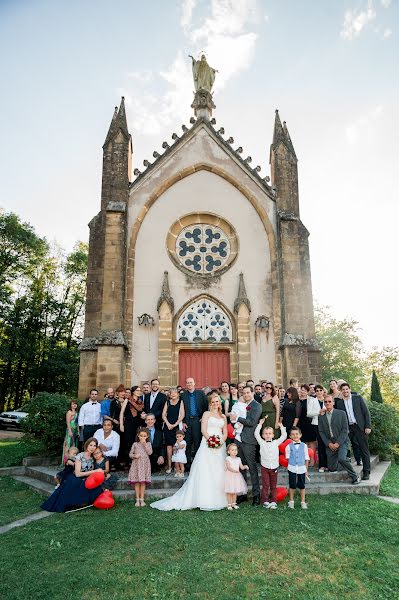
pixel 269 459
pixel 239 409
pixel 69 468
pixel 140 470
pixel 102 462
pixel 234 484
pixel 298 462
pixel 179 454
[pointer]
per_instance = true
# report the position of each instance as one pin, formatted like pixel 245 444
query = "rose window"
pixel 204 321
pixel 202 248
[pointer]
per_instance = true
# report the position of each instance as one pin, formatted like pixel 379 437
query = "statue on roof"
pixel 203 74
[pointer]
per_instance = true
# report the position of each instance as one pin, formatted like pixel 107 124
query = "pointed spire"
pixel 242 297
pixel 165 294
pixel 118 121
pixel 281 135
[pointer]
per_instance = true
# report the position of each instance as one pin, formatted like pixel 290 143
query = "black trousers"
pixel 247 453
pixel 321 451
pixel 193 438
pixel 359 438
pixel 89 431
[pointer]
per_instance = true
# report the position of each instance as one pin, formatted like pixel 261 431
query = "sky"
pixel 331 68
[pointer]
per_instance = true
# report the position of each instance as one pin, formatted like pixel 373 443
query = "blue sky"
pixel 330 67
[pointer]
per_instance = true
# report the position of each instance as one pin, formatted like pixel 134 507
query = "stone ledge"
pixel 113 337
pixel 116 207
pixel 297 339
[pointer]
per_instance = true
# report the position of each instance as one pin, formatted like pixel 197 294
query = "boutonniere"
pixel 248 408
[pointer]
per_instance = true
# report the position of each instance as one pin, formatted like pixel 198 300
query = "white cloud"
pixel 387 33
pixel 362 128
pixel 187 12
pixel 229 44
pixel 385 3
pixel 355 21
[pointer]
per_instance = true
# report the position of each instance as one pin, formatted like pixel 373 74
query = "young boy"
pixel 298 462
pixel 269 456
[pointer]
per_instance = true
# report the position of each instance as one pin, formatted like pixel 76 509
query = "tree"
pixel 375 395
pixel 385 362
pixel 342 351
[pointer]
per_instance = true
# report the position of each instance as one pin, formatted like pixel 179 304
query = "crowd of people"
pixel 216 437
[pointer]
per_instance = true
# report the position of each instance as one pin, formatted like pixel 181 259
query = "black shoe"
pixel 241 499
pixel 256 501
pixel 359 463
pixel 356 481
pixel 366 476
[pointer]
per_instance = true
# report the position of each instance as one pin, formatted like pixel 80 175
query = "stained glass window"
pixel 202 248
pixel 204 321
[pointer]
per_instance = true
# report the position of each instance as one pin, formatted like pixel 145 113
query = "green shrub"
pixel 385 429
pixel 46 419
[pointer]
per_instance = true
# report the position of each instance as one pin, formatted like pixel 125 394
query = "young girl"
pixel 69 468
pixel 234 484
pixel 179 454
pixel 102 462
pixel 140 470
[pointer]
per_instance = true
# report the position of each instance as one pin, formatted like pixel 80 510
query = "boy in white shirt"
pixel 269 459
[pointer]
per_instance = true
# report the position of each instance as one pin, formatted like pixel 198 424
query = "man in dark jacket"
pixel 359 421
pixel 195 404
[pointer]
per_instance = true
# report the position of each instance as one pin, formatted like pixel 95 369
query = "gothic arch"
pixel 230 320
pixel 132 248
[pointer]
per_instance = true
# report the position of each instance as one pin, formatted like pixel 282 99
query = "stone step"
pixel 163 481
pixel 370 487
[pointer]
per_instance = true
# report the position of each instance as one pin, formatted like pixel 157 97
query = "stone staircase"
pixel 41 478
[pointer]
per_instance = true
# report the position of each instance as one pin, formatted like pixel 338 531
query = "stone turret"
pixel 298 346
pixel 106 269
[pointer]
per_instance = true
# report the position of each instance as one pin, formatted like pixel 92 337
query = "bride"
pixel 204 487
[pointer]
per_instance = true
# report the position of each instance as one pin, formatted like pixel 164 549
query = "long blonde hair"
pixel 215 394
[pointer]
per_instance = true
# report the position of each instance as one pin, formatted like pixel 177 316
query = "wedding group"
pixel 214 440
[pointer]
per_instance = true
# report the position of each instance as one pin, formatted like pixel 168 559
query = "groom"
pixel 247 446
pixel 195 404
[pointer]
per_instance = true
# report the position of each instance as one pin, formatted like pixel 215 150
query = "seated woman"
pixel 72 492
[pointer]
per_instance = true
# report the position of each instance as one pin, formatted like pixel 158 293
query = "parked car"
pixel 12 418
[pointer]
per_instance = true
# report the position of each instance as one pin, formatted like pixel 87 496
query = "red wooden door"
pixel 208 367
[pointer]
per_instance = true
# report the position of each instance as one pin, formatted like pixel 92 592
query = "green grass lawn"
pixel 390 483
pixel 12 451
pixel 16 500
pixel 343 546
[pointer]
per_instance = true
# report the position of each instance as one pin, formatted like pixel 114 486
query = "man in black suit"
pixel 333 429
pixel 154 402
pixel 248 445
pixel 157 458
pixel 195 404
pixel 359 421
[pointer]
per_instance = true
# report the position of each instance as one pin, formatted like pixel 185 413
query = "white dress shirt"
pixel 296 468
pixel 90 414
pixel 349 410
pixel 153 398
pixel 112 442
pixel 269 452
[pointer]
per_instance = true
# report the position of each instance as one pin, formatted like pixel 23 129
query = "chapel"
pixel 198 265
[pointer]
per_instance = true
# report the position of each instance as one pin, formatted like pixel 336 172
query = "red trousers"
pixel 269 484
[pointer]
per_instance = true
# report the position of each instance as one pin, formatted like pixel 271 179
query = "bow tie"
pixel 296 443
pixel 94 403
pixel 268 441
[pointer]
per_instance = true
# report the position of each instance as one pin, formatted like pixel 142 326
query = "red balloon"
pixel 104 501
pixel 283 446
pixel 230 431
pixel 94 480
pixel 310 452
pixel 283 461
pixel 281 493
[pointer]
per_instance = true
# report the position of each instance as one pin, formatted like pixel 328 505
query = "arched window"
pixel 204 321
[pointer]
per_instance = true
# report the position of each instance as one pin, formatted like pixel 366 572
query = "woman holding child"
pixel 72 492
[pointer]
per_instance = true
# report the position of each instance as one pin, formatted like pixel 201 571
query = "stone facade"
pixel 199 227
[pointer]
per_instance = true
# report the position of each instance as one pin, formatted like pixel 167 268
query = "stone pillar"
pixel 165 334
pixel 110 367
pixel 243 343
pixel 87 371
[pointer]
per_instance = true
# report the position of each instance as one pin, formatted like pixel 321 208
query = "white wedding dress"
pixel 204 487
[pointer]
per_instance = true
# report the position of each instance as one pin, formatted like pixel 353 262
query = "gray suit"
pixel 248 445
pixel 339 434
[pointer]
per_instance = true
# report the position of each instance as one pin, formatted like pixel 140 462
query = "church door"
pixel 208 367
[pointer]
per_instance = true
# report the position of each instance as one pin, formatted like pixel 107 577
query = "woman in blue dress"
pixel 72 492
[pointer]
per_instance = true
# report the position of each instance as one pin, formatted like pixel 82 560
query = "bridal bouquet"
pixel 214 441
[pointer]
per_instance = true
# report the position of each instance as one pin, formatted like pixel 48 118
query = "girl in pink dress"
pixel 140 470
pixel 234 484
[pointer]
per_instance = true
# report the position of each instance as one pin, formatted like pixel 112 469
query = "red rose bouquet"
pixel 214 441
